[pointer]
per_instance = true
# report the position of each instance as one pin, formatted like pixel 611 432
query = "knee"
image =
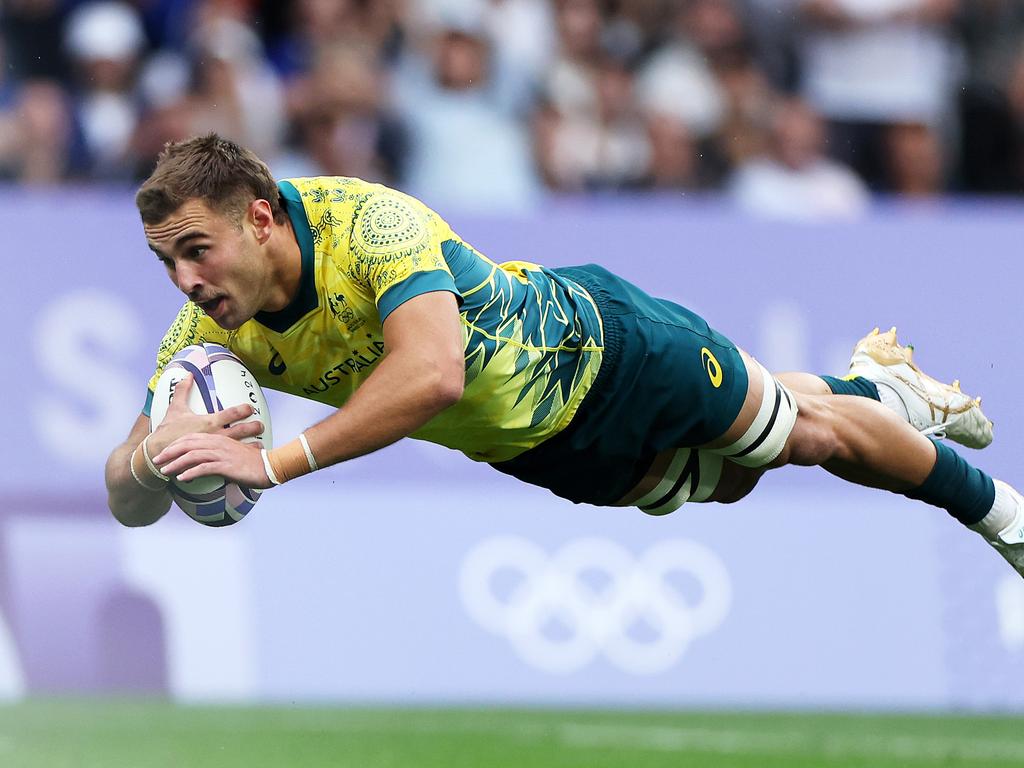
pixel 814 439
pixel 738 491
pixel 735 483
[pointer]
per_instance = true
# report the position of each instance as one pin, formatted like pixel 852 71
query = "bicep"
pixel 428 321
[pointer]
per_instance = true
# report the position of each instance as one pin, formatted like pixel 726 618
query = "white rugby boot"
pixel 933 408
pixel 1009 542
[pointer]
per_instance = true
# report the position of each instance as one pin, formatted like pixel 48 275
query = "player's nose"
pixel 188 280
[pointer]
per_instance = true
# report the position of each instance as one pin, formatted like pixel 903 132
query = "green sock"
pixel 964 491
pixel 855 385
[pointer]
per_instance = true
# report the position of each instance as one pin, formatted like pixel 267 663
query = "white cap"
pixel 104 30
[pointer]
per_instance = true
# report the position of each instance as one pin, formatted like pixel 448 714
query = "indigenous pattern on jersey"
pixel 533 338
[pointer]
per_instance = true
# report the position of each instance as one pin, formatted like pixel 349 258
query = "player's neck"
pixel 286 267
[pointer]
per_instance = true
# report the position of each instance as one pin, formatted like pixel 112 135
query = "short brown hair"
pixel 223 174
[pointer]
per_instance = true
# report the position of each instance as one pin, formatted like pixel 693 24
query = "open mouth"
pixel 212 306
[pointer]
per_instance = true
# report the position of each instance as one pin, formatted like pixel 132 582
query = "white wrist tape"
pixel 161 485
pixel 309 454
pixel 267 468
pixel 149 460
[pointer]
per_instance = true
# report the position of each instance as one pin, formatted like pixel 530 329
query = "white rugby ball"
pixel 220 381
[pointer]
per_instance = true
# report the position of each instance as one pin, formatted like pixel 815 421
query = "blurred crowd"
pixel 795 108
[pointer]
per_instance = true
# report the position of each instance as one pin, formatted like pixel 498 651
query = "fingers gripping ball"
pixel 220 381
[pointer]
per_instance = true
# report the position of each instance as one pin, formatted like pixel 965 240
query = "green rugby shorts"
pixel 667 380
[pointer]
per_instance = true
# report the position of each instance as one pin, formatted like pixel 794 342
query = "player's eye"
pixel 199 251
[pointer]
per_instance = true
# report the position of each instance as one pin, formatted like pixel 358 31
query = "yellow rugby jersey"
pixel 533 338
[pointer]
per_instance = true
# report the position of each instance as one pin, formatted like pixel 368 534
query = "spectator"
pixel 748 103
pixel 869 66
pixel 716 28
pixel 637 27
pixel 570 87
pixel 34 128
pixel 308 26
pixel 44 132
pixel 105 41
pixel 604 147
pixel 992 34
pixel 235 91
pixel 674 160
pixel 467 149
pixel 9 125
pixel 794 180
pixel 677 82
pixel 589 132
pixel 621 94
pixel 524 44
pixel 916 160
pixel 343 127
pixel 522 31
pixel 706 79
pixel 311 26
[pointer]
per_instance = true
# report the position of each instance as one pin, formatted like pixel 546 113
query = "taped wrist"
pixel 155 480
pixel 149 460
pixel 290 461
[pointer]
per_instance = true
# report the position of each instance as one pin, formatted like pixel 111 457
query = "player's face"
pixel 214 261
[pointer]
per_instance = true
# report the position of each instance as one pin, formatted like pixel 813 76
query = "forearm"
pixel 402 395
pixel 132 504
pixel 422 373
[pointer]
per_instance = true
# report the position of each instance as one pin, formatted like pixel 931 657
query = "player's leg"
pixel 880 369
pixel 722 481
pixel 862 441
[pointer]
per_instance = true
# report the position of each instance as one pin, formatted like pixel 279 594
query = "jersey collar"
pixel 306 298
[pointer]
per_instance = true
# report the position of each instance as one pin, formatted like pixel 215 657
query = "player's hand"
pixel 199 455
pixel 180 420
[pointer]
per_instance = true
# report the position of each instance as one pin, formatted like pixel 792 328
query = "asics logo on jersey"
pixel 712 366
pixel 277 366
pixel 597 595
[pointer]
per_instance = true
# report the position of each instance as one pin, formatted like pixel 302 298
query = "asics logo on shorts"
pixel 592 597
pixel 712 366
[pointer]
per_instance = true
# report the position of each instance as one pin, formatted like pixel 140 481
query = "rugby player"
pixel 356 295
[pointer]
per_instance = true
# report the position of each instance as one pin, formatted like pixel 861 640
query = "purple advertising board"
pixel 416 575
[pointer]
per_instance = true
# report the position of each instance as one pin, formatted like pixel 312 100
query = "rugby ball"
pixel 220 380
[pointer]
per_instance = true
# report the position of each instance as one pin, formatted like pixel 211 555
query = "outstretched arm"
pixel 422 373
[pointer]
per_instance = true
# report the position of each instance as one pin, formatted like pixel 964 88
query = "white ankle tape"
pixel 1002 514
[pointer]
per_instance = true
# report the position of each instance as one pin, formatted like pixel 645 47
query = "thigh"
pixel 748 411
pixel 767 419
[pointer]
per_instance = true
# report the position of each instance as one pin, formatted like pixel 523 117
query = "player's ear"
pixel 261 216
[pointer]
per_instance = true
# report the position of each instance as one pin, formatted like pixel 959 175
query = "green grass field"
pixel 144 734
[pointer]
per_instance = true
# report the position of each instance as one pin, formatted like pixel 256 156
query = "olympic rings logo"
pixel 598 596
